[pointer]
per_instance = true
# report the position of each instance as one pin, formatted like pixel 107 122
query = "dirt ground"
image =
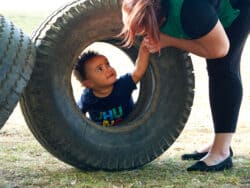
pixel 198 130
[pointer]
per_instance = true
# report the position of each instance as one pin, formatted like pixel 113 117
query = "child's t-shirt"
pixel 110 110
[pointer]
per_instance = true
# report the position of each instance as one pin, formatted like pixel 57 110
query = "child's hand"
pixel 150 45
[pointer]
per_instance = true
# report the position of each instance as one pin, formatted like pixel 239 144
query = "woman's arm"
pixel 213 45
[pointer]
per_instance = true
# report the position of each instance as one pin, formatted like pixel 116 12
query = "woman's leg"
pixel 225 89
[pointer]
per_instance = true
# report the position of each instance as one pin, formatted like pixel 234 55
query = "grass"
pixel 29 165
pixel 24 163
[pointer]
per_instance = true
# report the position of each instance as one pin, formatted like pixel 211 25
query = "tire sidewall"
pixel 157 120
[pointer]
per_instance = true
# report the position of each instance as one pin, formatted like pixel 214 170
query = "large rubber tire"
pixel 17 56
pixel 163 107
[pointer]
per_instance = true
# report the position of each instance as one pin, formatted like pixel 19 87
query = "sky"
pixel 31 4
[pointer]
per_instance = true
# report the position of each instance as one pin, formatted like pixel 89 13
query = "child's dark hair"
pixel 79 68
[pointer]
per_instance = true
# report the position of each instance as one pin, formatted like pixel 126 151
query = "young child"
pixel 108 100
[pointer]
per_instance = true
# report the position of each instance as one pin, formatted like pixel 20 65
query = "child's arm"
pixel 141 65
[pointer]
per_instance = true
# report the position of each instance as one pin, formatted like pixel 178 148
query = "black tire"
pixel 17 56
pixel 165 99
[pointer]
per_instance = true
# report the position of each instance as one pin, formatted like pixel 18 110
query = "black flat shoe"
pixel 197 156
pixel 193 156
pixel 202 166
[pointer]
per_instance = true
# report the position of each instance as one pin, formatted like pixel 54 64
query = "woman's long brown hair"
pixel 142 16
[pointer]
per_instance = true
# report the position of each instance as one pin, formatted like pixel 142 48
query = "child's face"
pixel 99 73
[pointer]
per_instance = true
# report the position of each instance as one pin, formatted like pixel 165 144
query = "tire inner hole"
pixel 118 59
